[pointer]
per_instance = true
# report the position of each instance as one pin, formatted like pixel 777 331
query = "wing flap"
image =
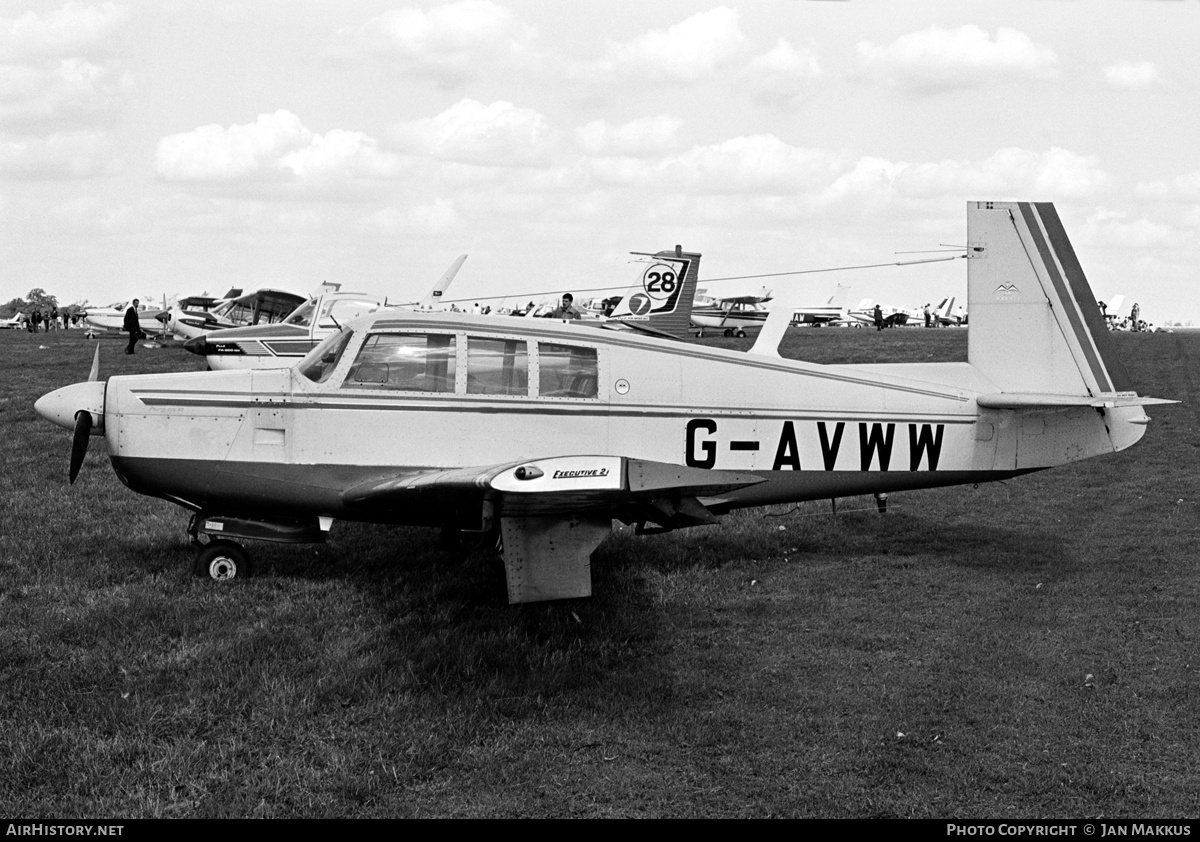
pixel 555 485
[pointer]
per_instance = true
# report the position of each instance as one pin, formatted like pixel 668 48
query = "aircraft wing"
pixel 745 299
pixel 666 494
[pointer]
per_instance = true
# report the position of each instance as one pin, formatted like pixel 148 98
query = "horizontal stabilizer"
pixel 1042 400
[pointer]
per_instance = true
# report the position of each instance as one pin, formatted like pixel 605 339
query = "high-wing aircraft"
pixel 833 311
pixel 283 344
pixel 262 306
pixel 733 315
pixel 542 432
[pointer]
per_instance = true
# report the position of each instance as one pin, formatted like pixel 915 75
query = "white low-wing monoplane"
pixel 864 313
pixel 543 432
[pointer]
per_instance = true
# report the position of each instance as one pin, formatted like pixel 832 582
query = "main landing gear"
pixel 224 560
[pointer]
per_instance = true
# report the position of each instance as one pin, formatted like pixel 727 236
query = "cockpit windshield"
pixel 323 359
pixel 302 316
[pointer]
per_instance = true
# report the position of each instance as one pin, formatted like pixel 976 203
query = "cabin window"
pixel 406 361
pixel 323 359
pixel 567 371
pixel 497 366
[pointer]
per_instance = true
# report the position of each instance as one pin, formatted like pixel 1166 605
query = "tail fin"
pixel 434 296
pixel 944 310
pixel 838 299
pixel 1113 310
pixel 1035 325
pixel 662 298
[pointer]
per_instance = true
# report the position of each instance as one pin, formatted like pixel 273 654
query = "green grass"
pixel 1020 649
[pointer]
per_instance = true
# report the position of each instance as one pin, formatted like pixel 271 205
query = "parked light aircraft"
pixel 833 311
pixel 284 344
pixel 113 317
pixel 864 313
pixel 263 306
pixel 544 432
pixel 17 322
pixel 733 315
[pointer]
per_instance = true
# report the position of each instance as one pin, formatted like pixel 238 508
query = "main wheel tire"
pixel 223 561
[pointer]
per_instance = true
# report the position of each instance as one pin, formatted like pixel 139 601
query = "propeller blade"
pixel 94 374
pixel 79 442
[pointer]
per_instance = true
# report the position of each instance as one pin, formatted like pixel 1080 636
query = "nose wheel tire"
pixel 223 561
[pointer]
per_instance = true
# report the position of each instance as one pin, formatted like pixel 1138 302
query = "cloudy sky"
pixel 180 146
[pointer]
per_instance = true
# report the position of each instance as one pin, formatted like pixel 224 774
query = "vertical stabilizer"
pixel 1035 325
pixel 663 296
pixel 434 296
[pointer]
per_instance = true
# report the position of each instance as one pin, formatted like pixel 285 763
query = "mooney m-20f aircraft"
pixel 544 432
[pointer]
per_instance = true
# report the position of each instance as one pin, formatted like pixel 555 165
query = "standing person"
pixel 134 328
pixel 36 319
pixel 565 310
pixel 878 318
pixel 926 315
pixel 1134 314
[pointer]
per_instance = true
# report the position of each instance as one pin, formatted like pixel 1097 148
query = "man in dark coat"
pixel 878 314
pixel 133 327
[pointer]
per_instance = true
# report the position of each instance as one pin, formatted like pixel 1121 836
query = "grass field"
pixel 1020 649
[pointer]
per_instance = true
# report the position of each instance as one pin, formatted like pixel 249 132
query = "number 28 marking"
pixel 659 281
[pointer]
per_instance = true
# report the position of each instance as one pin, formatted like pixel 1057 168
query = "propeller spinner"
pixel 79 408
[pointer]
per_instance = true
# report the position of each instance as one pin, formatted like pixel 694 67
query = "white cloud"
pixel 448 44
pixel 783 76
pixel 1008 173
pixel 52 74
pixel 88 213
pixel 938 59
pixel 67 92
pixel 73 30
pixel 1131 74
pixel 1184 188
pixel 1114 228
pixel 760 164
pixel 61 155
pixel 688 51
pixel 469 132
pixel 274 147
pixel 644 137
pixel 437 216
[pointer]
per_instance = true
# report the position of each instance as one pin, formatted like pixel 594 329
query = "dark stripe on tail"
pixel 1066 300
pixel 1121 381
